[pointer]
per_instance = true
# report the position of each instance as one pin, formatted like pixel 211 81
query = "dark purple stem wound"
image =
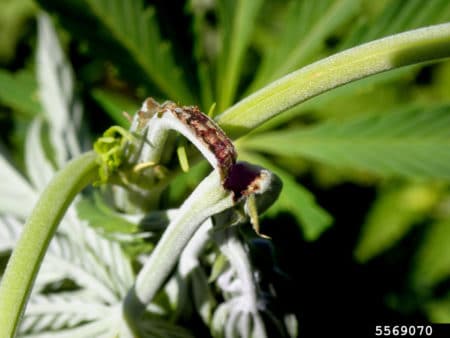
pixel 243 180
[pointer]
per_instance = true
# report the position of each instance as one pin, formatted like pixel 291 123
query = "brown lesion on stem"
pixel 244 180
pixel 210 134
pixel 203 127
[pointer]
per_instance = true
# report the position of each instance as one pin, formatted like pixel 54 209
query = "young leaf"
pixel 9 233
pixel 39 169
pixel 295 199
pixel 62 310
pixel 56 92
pixel 411 143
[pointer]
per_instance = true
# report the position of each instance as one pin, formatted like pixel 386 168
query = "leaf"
pixel 378 20
pixel 412 143
pixel 17 197
pixel 126 32
pixel 92 262
pixel 10 230
pixel 18 91
pixel 100 216
pixel 62 310
pixel 432 261
pixel 76 263
pixel 183 183
pixel 396 210
pixel 397 16
pixel 103 328
pixel 296 199
pixel 13 16
pixel 304 28
pixel 438 310
pixel 237 20
pixel 205 43
pixel 38 167
pixel 56 92
pixel 117 272
pixel 114 104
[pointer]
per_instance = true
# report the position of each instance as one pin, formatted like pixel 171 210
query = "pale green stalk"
pixel 209 198
pixel 424 44
pixel 27 256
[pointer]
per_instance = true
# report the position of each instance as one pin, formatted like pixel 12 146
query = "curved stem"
pixel 208 198
pixel 424 44
pixel 27 256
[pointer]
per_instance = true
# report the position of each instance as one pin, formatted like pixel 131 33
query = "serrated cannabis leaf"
pixel 411 143
pixel 128 33
pixel 62 310
pixel 39 169
pixel 304 36
pixel 56 93
pixel 17 197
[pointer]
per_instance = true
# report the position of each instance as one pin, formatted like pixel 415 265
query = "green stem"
pixel 27 256
pixel 424 44
pixel 209 198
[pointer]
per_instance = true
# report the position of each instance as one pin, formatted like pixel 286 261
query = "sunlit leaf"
pixel 17 197
pixel 305 27
pixel 411 143
pixel 10 230
pixel 39 169
pixel 396 16
pixel 379 19
pixel 56 92
pixel 61 311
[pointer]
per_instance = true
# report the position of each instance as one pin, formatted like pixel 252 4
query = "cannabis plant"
pixel 213 112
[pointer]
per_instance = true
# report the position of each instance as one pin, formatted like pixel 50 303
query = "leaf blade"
pixel 401 143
